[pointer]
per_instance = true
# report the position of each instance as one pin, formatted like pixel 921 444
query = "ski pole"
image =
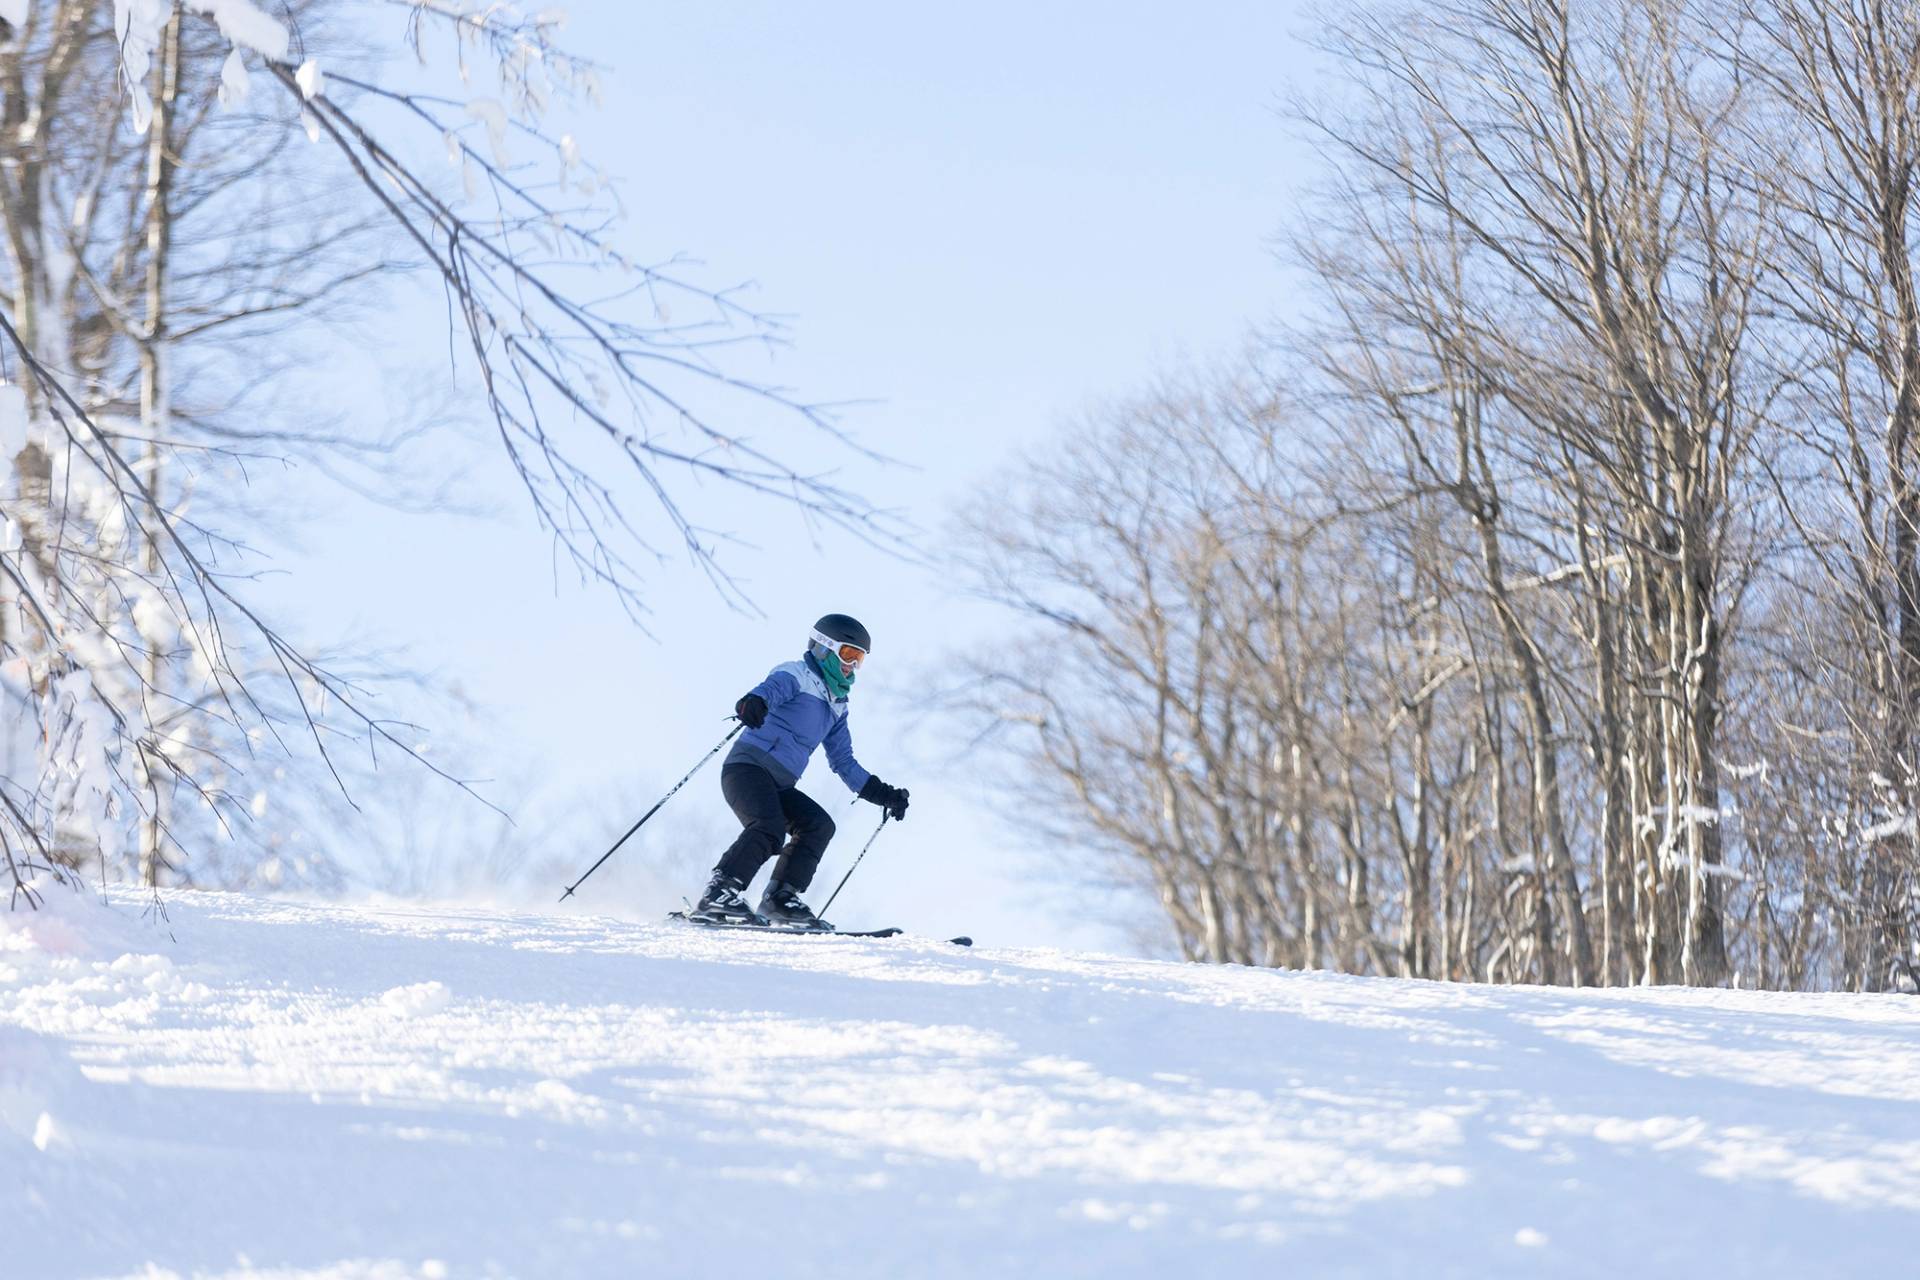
pixel 856 862
pixel 656 808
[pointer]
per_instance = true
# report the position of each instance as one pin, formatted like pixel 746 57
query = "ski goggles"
pixel 851 654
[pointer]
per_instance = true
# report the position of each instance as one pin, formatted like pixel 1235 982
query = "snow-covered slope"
pixel 301 1090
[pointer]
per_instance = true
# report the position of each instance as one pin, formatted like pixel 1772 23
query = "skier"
pixel 798 707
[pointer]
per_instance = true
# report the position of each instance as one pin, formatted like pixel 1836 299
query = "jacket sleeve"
pixel 778 687
pixel 839 744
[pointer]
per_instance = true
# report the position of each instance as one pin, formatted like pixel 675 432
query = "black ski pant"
pixel 770 815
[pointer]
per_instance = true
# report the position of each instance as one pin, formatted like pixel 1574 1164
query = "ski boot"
pixel 722 903
pixel 782 907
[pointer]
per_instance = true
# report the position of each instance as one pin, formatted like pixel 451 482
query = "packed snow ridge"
pixel 266 1088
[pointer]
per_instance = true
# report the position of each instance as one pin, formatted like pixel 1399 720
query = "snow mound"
pixel 69 922
pixel 416 1000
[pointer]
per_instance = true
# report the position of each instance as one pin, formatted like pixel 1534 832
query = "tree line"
pixel 1543 605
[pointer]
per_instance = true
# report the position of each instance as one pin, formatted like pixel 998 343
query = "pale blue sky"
pixel 982 220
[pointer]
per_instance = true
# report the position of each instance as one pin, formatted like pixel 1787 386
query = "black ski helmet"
pixel 841 629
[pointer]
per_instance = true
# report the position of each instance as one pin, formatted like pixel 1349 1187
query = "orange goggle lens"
pixel 852 654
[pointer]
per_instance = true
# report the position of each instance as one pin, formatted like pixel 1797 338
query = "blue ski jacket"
pixel 801 715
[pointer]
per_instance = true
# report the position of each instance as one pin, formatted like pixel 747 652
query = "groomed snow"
pixel 295 1090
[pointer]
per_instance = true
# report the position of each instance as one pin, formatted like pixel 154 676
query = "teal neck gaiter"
pixel 829 668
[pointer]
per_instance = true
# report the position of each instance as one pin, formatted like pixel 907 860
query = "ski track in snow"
pixel 294 1090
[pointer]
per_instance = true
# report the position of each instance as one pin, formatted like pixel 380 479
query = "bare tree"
pixel 1841 149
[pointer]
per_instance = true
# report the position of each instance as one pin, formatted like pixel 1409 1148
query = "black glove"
pixel 752 710
pixel 892 799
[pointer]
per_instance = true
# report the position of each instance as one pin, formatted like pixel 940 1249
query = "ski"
pixel 684 918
